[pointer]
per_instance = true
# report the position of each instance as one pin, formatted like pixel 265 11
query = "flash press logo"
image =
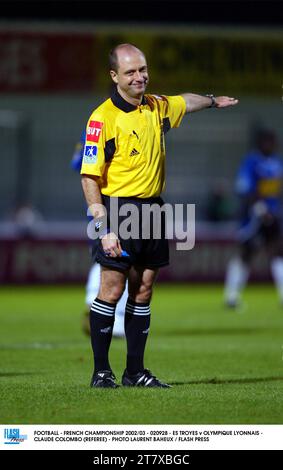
pixel 13 436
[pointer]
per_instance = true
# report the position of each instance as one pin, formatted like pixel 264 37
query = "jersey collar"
pixel 122 104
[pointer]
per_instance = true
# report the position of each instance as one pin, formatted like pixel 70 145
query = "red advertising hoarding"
pixel 45 62
pixel 55 261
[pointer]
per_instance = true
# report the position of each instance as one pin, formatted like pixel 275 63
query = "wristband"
pixel 213 101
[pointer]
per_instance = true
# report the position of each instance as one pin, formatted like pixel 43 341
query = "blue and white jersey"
pixel 261 177
pixel 77 158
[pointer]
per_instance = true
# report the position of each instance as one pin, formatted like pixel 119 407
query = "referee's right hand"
pixel 111 245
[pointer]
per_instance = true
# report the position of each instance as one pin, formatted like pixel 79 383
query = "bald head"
pixel 122 52
pixel 128 70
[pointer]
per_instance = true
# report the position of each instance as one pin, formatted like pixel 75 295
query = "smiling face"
pixel 131 76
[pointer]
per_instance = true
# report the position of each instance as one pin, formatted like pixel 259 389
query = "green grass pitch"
pixel 226 367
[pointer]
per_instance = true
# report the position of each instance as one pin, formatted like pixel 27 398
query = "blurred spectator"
pixel 258 186
pixel 26 218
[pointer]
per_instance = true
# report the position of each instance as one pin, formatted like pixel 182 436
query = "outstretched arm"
pixel 199 102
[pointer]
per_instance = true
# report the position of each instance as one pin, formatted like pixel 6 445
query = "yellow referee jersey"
pixel 125 144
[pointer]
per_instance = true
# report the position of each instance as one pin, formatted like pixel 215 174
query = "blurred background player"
pixel 93 281
pixel 258 184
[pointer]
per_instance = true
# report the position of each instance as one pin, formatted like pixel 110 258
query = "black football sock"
pixel 137 321
pixel 102 316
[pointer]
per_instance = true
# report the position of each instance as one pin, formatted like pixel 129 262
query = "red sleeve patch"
pixel 93 131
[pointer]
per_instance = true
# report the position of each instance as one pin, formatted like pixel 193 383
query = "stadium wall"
pixel 47 261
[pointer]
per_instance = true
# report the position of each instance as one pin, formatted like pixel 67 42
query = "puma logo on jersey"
pixel 134 152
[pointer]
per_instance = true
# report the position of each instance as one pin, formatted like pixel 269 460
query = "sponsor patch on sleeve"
pixel 93 131
pixel 90 154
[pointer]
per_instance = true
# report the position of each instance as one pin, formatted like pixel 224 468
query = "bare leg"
pixel 112 285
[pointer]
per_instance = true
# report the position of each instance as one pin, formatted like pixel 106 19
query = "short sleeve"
pixel 93 162
pixel 174 108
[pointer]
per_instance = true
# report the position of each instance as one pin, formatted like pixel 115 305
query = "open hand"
pixel 225 101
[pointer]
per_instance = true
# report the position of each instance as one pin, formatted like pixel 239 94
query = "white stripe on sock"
pixel 102 313
pixel 104 307
pixel 97 309
pixel 138 307
pixel 134 312
pixel 139 314
pixel 132 309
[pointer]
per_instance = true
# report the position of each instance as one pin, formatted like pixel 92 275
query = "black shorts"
pixel 149 252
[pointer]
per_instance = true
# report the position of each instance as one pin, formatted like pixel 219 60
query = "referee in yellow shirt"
pixel 124 159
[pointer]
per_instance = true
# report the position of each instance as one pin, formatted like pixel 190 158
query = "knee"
pixel 143 294
pixel 111 294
